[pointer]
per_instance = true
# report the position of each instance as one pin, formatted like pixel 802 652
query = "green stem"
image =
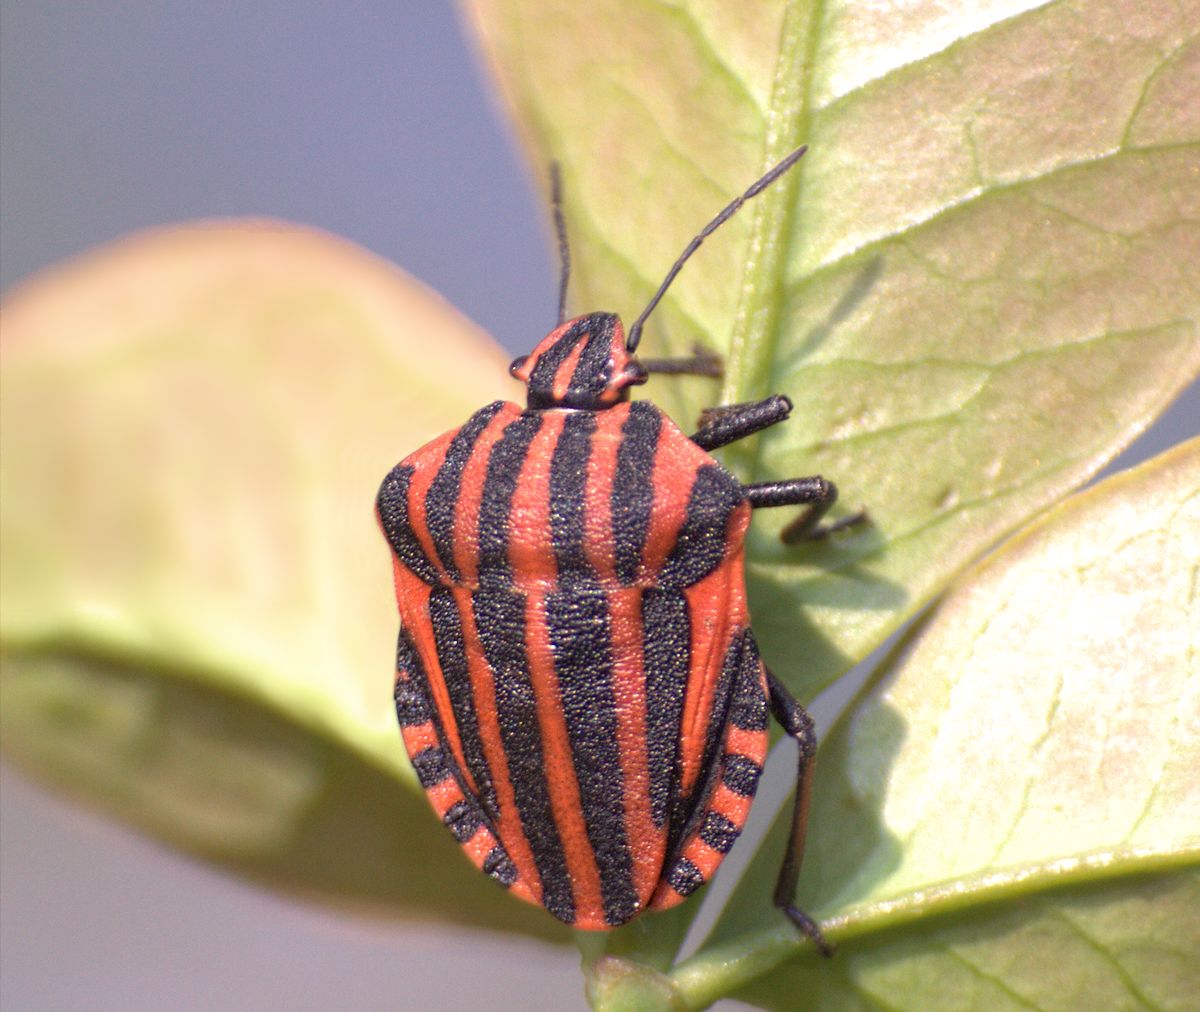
pixel 753 343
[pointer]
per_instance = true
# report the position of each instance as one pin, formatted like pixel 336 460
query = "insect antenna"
pixel 560 229
pixel 635 332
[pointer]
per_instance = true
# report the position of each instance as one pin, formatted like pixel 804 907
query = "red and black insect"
pixel 577 683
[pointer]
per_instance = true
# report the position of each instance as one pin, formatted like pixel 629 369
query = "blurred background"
pixel 373 121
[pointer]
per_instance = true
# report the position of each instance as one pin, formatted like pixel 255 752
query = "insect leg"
pixel 437 770
pixel 702 362
pixel 797 724
pixel 816 493
pixel 731 422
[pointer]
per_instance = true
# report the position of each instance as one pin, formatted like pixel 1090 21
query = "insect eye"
pixel 516 365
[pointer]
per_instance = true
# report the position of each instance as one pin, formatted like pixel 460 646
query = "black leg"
pixel 816 493
pixel 728 423
pixel 797 724
pixel 731 422
pixel 806 527
pixel 702 362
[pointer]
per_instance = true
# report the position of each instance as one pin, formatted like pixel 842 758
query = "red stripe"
pixel 751 744
pixel 508 826
pixel 564 373
pixel 426 463
pixel 561 784
pixel 530 549
pixel 531 556
pixel 444 795
pixel 420 737
pixel 647 843
pixel 602 466
pixel 717 606
pixel 673 477
pixel 412 594
pixel 466 511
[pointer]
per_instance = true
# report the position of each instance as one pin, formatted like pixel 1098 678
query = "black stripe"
pixel 392 506
pixel 463 820
pixel 500 625
pixel 415 697
pixel 441 501
pixel 740 774
pixel 568 480
pixel 667 646
pixel 748 711
pixel 701 542
pixel 431 765
pixel 685 877
pixel 411 708
pixel 452 654
pixel 541 379
pixel 500 620
pixel 498 865
pixel 633 489
pixel 718 832
pixel 731 674
pixel 594 367
pixel 577 619
pixel 504 466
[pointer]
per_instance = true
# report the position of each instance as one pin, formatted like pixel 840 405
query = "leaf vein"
pixel 700 37
pixel 971 198
pixel 1027 790
pixel 1106 956
pixel 993 368
pixel 991 978
pixel 1168 58
pixel 934 54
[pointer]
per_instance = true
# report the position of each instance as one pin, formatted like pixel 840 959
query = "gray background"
pixel 370 120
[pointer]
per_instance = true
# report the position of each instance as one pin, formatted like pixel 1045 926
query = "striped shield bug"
pixel 577 684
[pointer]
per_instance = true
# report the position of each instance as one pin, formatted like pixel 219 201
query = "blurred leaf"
pixel 976 288
pixel 997 820
pixel 197 620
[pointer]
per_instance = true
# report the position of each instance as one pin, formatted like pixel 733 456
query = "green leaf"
pixel 976 288
pixel 1007 810
pixel 197 619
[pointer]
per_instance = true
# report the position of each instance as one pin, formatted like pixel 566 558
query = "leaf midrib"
pixel 755 337
pixel 723 968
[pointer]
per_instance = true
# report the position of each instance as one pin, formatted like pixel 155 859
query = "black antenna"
pixel 560 229
pixel 635 332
